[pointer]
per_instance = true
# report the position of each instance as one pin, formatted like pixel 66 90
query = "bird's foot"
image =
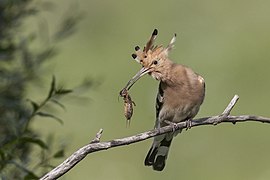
pixel 188 124
pixel 172 124
pixel 157 127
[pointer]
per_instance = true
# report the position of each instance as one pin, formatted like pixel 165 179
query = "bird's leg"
pixel 188 124
pixel 174 125
pixel 157 126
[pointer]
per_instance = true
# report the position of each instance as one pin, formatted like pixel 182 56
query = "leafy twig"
pixel 52 96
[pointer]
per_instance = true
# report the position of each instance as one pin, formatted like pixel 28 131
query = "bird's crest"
pixel 151 51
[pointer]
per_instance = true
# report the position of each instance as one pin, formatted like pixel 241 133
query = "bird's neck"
pixel 172 73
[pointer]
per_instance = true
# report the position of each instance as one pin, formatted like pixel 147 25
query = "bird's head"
pixel 153 58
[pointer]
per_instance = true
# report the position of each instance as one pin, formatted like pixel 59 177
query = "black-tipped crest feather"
pixel 134 56
pixel 150 43
pixel 137 48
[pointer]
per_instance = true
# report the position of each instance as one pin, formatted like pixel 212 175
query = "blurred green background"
pixel 226 41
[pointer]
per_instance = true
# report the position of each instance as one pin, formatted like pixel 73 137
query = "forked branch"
pixel 95 145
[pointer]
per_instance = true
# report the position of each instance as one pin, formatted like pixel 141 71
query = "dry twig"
pixel 95 145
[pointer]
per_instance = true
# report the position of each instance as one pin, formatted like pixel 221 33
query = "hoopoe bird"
pixel 180 94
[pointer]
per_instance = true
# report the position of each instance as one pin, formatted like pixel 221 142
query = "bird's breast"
pixel 179 104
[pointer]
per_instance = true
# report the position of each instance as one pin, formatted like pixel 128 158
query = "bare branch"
pixel 95 145
pixel 98 136
pixel 228 109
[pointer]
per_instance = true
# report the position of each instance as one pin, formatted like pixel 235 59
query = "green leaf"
pixel 59 154
pixel 34 141
pixel 46 54
pixel 52 89
pixel 63 91
pixel 42 114
pixel 34 105
pixel 58 103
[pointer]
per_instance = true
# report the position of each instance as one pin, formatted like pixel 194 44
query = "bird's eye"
pixel 155 62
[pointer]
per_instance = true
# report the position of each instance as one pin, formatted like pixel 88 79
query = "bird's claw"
pixel 188 124
pixel 172 124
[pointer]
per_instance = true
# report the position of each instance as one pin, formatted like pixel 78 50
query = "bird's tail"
pixel 158 152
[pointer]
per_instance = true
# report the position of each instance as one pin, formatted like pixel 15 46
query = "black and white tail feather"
pixel 158 153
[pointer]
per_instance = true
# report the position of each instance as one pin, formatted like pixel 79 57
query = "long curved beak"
pixel 139 74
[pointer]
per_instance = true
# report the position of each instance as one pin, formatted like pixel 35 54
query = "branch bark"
pixel 95 145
